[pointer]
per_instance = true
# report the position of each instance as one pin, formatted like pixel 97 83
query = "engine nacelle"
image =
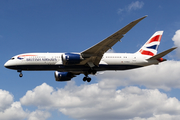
pixel 63 76
pixel 71 58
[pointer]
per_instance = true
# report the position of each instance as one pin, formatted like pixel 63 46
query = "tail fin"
pixel 151 46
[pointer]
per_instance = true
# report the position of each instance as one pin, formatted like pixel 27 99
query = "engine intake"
pixel 71 58
pixel 63 76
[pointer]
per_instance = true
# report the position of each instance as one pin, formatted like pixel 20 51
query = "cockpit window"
pixel 12 58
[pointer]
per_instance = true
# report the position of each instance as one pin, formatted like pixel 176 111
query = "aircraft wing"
pixel 94 54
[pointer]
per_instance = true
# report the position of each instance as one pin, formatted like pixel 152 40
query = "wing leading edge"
pixel 94 54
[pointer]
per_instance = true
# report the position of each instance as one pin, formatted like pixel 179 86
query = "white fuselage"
pixel 53 61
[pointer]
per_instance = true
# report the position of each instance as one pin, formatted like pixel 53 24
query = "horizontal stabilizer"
pixel 160 55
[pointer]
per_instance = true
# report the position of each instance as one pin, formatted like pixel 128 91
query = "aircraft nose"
pixel 8 64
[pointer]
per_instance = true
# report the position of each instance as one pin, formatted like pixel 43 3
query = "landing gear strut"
pixel 20 73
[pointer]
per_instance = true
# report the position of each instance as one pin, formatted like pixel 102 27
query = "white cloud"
pixel 40 94
pixel 160 117
pixel 10 110
pixel 39 115
pixel 133 6
pixel 6 99
pixel 176 39
pixel 120 10
pixel 110 51
pixel 15 112
pixel 93 102
pixel 163 76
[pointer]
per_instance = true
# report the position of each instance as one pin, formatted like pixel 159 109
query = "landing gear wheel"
pixel 88 79
pixel 20 75
pixel 84 79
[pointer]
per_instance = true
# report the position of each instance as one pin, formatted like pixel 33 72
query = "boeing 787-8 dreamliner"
pixel 92 60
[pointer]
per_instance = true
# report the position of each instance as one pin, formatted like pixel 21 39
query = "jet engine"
pixel 63 76
pixel 71 58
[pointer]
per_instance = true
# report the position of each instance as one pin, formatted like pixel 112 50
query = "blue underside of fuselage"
pixel 72 67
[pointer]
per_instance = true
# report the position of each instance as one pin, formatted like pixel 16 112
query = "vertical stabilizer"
pixel 151 46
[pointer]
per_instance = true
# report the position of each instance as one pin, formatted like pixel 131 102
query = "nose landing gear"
pixel 20 73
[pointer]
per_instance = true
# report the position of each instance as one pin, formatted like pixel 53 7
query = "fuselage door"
pixel 134 59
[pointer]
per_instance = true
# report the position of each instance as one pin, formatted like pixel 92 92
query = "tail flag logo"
pixel 151 46
pixel 145 52
pixel 155 39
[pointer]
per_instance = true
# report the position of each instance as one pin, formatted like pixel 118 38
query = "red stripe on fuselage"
pixel 26 55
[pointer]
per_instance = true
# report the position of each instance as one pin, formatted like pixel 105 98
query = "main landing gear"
pixel 86 78
pixel 20 73
pixel 86 73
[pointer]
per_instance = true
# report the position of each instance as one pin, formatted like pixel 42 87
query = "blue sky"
pixel 73 26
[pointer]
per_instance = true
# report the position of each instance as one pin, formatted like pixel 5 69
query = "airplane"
pixel 92 60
